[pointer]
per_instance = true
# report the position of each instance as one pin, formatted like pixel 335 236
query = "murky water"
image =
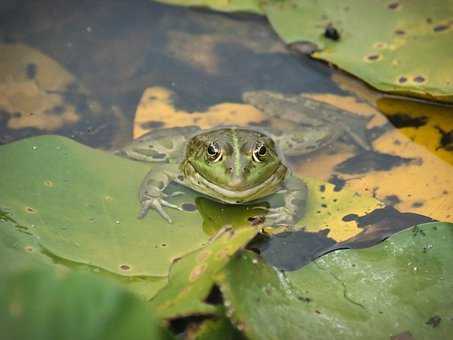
pixel 106 72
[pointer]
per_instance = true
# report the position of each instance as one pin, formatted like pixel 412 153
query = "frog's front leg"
pixel 295 191
pixel 152 195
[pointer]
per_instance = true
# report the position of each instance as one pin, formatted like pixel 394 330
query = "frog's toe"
pixel 176 193
pixel 170 205
pixel 280 217
pixel 157 205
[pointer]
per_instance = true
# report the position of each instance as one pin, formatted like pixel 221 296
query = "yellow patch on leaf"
pixel 423 186
pixel 434 121
pixel 31 86
pixel 156 106
pixel 327 207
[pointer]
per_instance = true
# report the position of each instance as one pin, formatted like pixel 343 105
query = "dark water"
pixel 115 50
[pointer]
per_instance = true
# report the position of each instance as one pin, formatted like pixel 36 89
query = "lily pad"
pixel 392 48
pixel 81 205
pixel 252 6
pixel 41 305
pixel 191 278
pixel 401 286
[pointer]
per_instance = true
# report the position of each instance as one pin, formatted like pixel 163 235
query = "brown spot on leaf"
pixel 49 184
pixel 125 267
pixel 434 321
pixel 204 255
pixel 440 28
pixel 28 249
pixel 197 271
pixel 331 33
pixel 400 32
pixel 30 210
pixel 402 80
pixel 372 57
pixel 419 79
pixel 393 5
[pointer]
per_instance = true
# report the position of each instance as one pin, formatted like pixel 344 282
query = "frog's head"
pixel 233 165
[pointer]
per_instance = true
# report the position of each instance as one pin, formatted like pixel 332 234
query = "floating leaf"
pixel 379 49
pixel 401 286
pixel 42 305
pixel 191 277
pixel 82 206
pixel 252 6
pixel 392 48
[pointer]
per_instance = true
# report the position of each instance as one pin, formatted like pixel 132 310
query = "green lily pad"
pixel 81 205
pixel 20 250
pixel 252 6
pixel 393 47
pixel 41 305
pixel 400 287
pixel 191 277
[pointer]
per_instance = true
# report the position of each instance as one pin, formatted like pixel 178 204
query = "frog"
pixel 235 165
pixel 312 116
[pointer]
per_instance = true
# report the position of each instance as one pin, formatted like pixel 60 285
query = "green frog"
pixel 232 165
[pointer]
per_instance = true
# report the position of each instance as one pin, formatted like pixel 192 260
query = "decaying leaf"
pixel 156 110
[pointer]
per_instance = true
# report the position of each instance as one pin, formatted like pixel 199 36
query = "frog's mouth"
pixel 196 181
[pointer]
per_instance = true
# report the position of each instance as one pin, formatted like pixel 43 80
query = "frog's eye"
pixel 214 153
pixel 259 153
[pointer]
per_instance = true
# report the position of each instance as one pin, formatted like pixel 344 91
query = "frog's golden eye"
pixel 259 153
pixel 214 152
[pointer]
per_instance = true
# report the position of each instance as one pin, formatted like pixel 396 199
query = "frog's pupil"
pixel 212 150
pixel 262 150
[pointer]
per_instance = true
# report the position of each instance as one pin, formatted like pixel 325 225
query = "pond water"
pixel 107 72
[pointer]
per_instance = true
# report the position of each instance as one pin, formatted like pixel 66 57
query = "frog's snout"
pixel 235 182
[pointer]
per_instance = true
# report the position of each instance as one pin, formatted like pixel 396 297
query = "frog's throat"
pixel 194 180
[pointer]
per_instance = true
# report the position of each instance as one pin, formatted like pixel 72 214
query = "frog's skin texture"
pixel 325 121
pixel 236 165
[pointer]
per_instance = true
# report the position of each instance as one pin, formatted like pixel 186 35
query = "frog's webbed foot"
pixel 280 217
pixel 157 203
pixel 151 193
